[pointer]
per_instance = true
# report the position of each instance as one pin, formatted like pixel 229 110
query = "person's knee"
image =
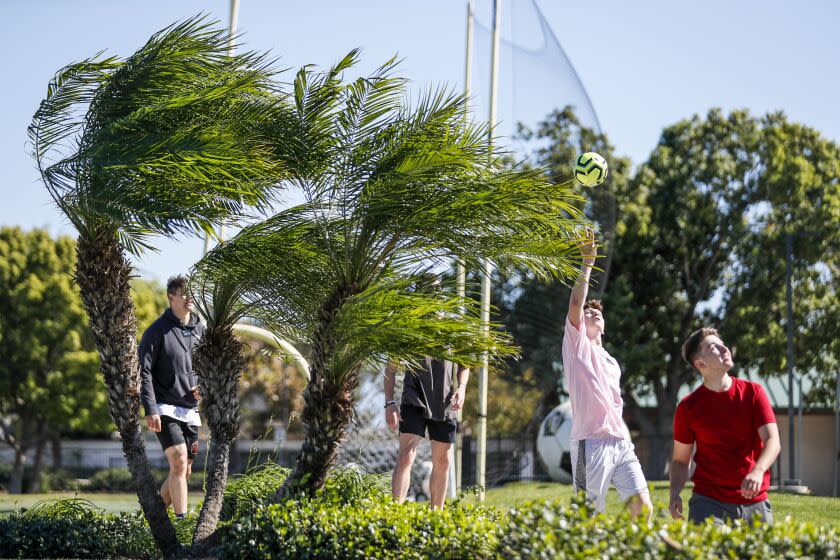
pixel 441 460
pixel 178 464
pixel 406 456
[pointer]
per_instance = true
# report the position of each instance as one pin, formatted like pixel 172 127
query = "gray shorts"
pixel 598 462
pixel 702 507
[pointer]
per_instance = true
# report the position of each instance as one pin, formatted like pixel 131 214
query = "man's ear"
pixel 698 364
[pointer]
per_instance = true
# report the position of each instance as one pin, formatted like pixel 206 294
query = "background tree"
pixel 42 356
pixel 389 190
pixel 673 257
pixel 799 195
pixel 49 372
pixel 160 143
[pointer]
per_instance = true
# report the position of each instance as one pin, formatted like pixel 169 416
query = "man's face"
pixel 179 302
pixel 594 321
pixel 714 354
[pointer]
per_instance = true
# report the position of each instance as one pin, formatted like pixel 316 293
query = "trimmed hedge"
pixel 74 528
pixel 354 517
pixel 564 531
pixel 367 528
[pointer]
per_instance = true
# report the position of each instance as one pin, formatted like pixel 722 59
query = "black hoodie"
pixel 166 369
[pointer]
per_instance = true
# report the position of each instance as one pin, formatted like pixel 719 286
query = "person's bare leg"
pixel 164 493
pixel 402 470
pixel 178 464
pixel 440 473
pixel 640 503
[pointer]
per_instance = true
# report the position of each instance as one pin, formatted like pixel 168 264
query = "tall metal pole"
pixel 481 445
pixel 789 284
pixel 837 437
pixel 460 271
pixel 234 21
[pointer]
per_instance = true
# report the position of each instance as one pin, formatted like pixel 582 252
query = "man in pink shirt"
pixel 601 450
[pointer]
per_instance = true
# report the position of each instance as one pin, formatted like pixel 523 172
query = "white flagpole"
pixel 481 443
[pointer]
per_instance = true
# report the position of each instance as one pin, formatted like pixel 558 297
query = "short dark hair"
pixel 176 283
pixel 594 304
pixel 691 346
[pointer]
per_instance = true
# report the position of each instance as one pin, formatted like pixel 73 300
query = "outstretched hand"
pixel 588 247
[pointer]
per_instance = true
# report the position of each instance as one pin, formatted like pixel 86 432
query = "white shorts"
pixel 598 462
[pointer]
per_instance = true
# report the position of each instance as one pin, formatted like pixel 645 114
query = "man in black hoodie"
pixel 170 388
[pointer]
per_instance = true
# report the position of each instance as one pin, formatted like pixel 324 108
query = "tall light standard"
pixel 481 423
pixel 792 480
pixel 234 20
pixel 456 476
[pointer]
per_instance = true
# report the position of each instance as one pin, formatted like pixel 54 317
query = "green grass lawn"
pixel 816 509
pixel 112 503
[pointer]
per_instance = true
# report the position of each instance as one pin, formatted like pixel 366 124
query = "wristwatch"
pixel 389 403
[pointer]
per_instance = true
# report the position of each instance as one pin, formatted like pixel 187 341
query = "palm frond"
pixel 169 142
pixel 392 321
pixel 281 265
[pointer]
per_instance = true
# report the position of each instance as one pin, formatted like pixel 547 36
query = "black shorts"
pixel 172 432
pixel 412 421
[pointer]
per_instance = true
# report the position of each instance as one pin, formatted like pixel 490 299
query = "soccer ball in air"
pixel 590 169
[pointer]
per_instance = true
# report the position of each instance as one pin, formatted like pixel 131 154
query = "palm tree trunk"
pixel 328 406
pixel 219 360
pixel 103 274
pixel 327 411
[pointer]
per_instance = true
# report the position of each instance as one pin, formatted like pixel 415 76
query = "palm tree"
pixel 219 360
pixel 391 192
pixel 160 143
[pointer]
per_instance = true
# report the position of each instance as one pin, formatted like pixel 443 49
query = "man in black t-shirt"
pixel 430 404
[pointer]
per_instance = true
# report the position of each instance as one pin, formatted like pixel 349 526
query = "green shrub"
pixel 572 530
pixel 365 528
pixel 111 480
pixel 57 480
pixel 244 492
pixel 74 528
pixel 259 485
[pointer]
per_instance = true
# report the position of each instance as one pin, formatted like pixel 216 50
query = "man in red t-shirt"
pixel 732 425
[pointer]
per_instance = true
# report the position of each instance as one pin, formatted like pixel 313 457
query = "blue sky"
pixel 645 65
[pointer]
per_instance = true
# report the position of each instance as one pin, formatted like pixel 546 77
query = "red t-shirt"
pixel 725 427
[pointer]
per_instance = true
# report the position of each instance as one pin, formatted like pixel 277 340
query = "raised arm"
pixel 578 298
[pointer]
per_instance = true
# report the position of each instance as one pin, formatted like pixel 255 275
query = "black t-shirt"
pixel 430 388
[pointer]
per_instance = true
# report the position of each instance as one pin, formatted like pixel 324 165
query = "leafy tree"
pixel 799 196
pixel 672 259
pixel 721 192
pixel 45 382
pixel 389 190
pixel 161 143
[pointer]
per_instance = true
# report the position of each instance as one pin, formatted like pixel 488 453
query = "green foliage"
pixel 74 529
pixel 554 530
pixel 244 492
pixel 365 528
pixel 112 480
pixel 162 142
pixel 258 486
